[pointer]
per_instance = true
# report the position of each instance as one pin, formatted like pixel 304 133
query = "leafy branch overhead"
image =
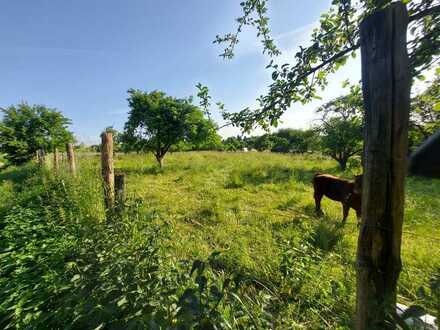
pixel 254 14
pixel 331 44
pixel 205 103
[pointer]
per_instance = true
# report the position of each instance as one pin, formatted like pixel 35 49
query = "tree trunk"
pixel 119 192
pixel 159 159
pixel 41 157
pixel 342 164
pixel 386 89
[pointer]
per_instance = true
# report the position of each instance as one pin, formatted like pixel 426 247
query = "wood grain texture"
pixel 107 170
pixel 386 89
pixel 71 158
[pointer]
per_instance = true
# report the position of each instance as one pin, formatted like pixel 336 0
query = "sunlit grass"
pixel 243 204
pixel 257 211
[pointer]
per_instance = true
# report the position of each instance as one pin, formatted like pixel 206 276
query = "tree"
pixel 264 142
pixel 280 144
pixel 157 122
pixel 233 143
pixel 425 112
pixel 332 43
pixel 24 129
pixel 299 140
pixel 341 139
pixel 341 126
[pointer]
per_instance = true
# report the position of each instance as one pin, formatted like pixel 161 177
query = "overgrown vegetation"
pixel 213 240
pixel 25 128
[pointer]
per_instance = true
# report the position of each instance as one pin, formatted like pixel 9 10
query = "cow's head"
pixel 357 188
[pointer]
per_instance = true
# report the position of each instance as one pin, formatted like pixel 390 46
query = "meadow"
pixel 214 240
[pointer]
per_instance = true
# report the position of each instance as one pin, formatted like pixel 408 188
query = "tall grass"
pixel 212 240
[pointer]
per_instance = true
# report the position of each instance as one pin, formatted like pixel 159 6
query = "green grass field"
pixel 249 216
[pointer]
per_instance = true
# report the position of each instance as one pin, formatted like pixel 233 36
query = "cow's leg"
pixel 345 210
pixel 318 198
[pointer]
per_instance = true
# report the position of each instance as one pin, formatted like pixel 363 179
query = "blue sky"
pixel 81 56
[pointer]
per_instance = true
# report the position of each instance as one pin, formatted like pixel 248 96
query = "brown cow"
pixel 340 190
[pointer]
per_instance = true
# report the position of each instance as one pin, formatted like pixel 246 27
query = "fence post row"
pixel 120 191
pixel 107 170
pixel 386 89
pixel 41 157
pixel 71 158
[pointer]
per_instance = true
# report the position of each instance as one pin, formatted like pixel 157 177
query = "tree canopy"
pixel 341 126
pixel 331 44
pixel 299 140
pixel 157 122
pixel 24 129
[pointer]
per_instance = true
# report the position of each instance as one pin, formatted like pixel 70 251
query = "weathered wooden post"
pixel 120 191
pixel 107 170
pixel 386 88
pixel 41 157
pixel 71 158
pixel 56 163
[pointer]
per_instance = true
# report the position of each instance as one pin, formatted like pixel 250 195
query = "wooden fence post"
pixel 56 163
pixel 71 158
pixel 386 89
pixel 41 157
pixel 120 191
pixel 107 170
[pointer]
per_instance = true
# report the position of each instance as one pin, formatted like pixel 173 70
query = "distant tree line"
pixel 284 140
pixel 159 123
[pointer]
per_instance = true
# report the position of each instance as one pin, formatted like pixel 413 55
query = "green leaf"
pixel 122 301
pixel 75 278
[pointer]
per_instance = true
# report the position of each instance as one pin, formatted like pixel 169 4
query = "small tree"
pixel 24 129
pixel 157 122
pixel 341 139
pixel 341 126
